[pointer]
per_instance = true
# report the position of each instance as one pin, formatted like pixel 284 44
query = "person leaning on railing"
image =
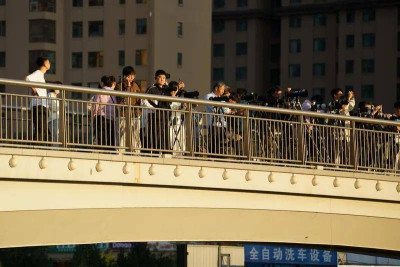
pixel 103 114
pixel 39 106
pixel 128 84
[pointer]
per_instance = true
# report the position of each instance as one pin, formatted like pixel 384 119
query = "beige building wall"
pixel 161 41
pixel 385 27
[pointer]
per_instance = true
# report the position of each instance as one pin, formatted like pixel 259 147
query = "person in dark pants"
pixel 39 106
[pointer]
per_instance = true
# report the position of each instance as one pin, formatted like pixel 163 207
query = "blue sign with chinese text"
pixel 287 255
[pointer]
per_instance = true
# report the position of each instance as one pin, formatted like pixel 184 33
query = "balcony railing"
pixel 260 135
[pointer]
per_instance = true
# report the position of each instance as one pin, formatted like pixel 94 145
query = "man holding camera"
pixel 340 103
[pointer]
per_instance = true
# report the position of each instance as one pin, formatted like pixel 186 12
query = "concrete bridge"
pixel 59 194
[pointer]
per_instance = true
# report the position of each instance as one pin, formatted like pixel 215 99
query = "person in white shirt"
pixel 39 102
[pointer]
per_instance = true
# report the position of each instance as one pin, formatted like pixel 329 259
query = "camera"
pixel 317 107
pixel 185 94
pixel 298 93
pixel 220 98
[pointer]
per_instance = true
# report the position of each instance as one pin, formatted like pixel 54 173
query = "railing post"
pixel 246 133
pixel 353 147
pixel 128 126
pixel 300 143
pixel 189 129
pixel 62 124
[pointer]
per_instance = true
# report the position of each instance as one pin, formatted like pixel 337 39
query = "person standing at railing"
pixel 39 105
pixel 128 84
pixel 103 114
pixel 54 114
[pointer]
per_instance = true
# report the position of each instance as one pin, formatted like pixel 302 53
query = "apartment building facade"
pixel 350 44
pixel 86 39
pixel 246 44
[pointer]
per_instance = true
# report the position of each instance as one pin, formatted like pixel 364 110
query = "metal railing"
pixel 255 134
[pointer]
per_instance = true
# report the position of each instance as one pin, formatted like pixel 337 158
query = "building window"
pixel 368 14
pixel 319 69
pixel 180 29
pixel 95 28
pixel 96 2
pixel 2 2
pixel 350 41
pixel 241 49
pixel 180 60
pixel 275 53
pixel 3 28
pixel 42 5
pixel 275 78
pixel 350 16
pixel 95 59
pixel 294 46
pixel 218 26
pixel 367 92
pixel 219 50
pixel 141 57
pixel 242 3
pixel 180 2
pixel 295 1
pixel 77 60
pixel 35 54
pixel 319 20
pixel 241 73
pixel 218 74
pixel 319 44
pixel 42 30
pixel 2 59
pixel 368 40
pixel 122 2
pixel 241 25
pixel 93 84
pixel 141 26
pixel 294 21
pixel 368 66
pixel 121 27
pixel 77 3
pixel 320 92
pixel 219 3
pixel 276 28
pixel 77 29
pixel 294 70
pixel 349 66
pixel 121 58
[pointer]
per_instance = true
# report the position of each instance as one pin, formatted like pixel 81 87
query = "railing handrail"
pixel 90 90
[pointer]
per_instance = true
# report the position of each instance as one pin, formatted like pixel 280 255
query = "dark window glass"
pixel 241 73
pixel 241 49
pixel 218 26
pixel 320 92
pixel 121 58
pixel 295 1
pixel 42 30
pixel 368 40
pixel 42 5
pixel 349 66
pixel 180 2
pixel 275 77
pixel 275 53
pixel 180 60
pixel 219 3
pixel 294 46
pixel 3 28
pixel 349 41
pixel 367 92
pixel 2 59
pixel 319 69
pixel 294 21
pixel 77 60
pixel 368 65
pixel 95 59
pixel 96 2
pixel 2 2
pixel 319 44
pixel 95 28
pixel 218 74
pixel 350 16
pixel 141 57
pixel 294 70
pixel 77 3
pixel 241 25
pixel 276 28
pixel 319 20
pixel 121 27
pixel 33 56
pixel 180 29
pixel 219 50
pixel 242 3
pixel 77 29
pixel 141 26
pixel 122 2
pixel 368 14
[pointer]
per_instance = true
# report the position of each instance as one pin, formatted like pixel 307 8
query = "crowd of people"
pixel 161 126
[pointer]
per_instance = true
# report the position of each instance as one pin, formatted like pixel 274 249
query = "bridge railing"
pixel 260 135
